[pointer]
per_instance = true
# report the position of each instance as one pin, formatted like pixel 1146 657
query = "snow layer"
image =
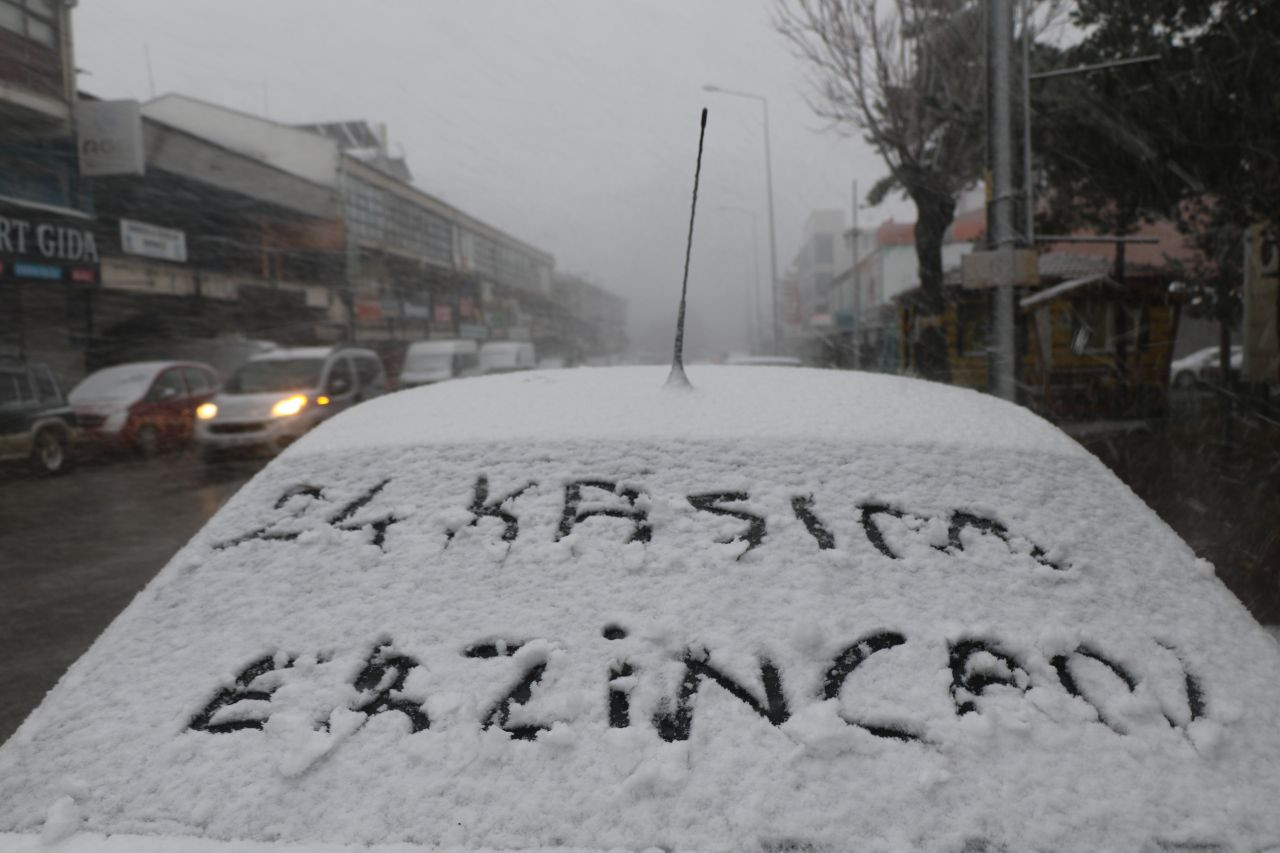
pixel 773 632
pixel 727 403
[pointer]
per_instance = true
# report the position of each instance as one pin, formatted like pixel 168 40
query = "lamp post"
pixel 768 172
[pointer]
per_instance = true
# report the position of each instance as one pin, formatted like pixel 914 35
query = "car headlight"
pixel 289 406
pixel 115 421
pixel 207 411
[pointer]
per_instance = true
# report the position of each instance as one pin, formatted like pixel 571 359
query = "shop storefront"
pixel 49 267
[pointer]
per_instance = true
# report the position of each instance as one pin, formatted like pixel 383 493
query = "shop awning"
pixel 1066 287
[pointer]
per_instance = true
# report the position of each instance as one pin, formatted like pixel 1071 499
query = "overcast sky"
pixel 571 124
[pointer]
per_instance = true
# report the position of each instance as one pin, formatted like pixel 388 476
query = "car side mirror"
pixel 168 392
pixel 339 385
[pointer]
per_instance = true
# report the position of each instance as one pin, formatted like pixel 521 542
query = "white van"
pixel 507 356
pixel 426 362
pixel 275 398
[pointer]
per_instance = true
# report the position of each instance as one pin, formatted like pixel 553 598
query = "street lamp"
pixel 768 172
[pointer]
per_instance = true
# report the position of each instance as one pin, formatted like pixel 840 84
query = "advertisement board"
pixel 109 138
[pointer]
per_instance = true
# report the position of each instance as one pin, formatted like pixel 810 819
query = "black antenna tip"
pixel 704 116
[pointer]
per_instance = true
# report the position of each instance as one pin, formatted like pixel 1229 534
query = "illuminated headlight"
pixel 289 406
pixel 115 422
pixel 207 411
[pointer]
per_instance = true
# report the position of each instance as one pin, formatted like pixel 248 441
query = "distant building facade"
pixel 807 298
pixel 596 319
pixel 48 258
pixel 225 225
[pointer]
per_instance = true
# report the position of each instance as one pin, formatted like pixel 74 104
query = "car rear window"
pixel 684 645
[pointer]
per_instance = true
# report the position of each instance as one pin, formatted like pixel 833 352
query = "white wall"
pixel 902 269
pixel 298 152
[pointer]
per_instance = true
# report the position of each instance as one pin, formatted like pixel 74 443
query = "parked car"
pixel 145 406
pixel 793 610
pixel 36 424
pixel 274 398
pixel 426 362
pixel 1212 371
pixel 746 360
pixel 507 356
pixel 1202 365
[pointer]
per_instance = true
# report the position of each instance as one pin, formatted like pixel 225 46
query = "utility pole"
pixel 773 240
pixel 857 286
pixel 1000 209
pixel 1029 201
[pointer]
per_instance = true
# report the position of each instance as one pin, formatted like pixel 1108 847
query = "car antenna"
pixel 676 378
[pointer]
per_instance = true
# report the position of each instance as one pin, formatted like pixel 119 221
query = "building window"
pixel 1090 325
pixel 34 19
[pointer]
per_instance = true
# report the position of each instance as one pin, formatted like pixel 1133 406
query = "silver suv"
pixel 276 397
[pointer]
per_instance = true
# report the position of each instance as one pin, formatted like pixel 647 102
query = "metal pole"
pixel 773 242
pixel 1029 215
pixel 1100 66
pixel 755 281
pixel 857 286
pixel 999 23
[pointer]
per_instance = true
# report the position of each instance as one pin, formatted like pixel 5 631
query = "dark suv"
pixel 36 423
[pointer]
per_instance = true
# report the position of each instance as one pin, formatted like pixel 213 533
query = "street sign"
pixel 152 241
pixel 1001 268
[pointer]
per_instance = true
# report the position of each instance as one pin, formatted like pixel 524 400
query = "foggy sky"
pixel 571 124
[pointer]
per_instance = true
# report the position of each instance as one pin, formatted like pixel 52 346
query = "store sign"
pixel 368 311
pixel 46 241
pixel 414 311
pixel 152 241
pixel 46 251
pixel 110 138
pixel 1000 268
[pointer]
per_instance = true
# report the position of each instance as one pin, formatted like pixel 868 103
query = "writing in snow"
pixel 978 667
pixel 596 498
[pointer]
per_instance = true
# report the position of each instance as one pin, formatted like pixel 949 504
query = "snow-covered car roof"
pixel 1202 357
pixel 444 346
pixel 787 610
pixel 287 353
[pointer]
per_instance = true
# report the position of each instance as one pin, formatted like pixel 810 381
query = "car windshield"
pixel 123 384
pixel 276 374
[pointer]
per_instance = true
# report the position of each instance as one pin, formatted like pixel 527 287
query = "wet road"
pixel 74 550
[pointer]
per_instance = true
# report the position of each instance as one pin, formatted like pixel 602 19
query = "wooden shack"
pixel 1088 346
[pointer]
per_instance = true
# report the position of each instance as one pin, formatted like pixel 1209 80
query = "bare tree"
pixel 909 75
